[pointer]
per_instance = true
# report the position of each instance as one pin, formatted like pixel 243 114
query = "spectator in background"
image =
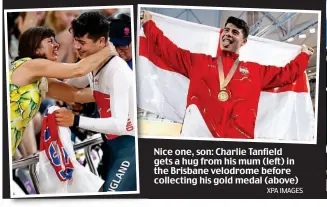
pixel 109 12
pixel 60 22
pixel 120 36
pixel 17 24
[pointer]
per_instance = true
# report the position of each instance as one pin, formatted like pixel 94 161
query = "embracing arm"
pixel 67 93
pixel 34 69
pixel 78 82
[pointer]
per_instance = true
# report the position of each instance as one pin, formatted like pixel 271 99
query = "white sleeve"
pixel 79 82
pixel 119 106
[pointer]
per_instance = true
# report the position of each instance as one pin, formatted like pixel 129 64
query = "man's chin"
pixel 226 49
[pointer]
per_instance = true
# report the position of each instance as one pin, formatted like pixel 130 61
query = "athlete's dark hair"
pixel 239 23
pixel 95 24
pixel 30 41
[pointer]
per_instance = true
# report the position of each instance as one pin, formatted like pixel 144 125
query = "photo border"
pixel 137 191
pixel 260 140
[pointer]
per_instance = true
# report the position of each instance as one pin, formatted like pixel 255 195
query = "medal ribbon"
pixel 224 82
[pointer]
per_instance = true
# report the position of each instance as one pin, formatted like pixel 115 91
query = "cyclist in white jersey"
pixel 112 88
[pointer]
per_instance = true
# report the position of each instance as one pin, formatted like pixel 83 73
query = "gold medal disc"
pixel 223 96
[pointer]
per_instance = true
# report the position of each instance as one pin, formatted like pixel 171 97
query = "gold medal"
pixel 223 96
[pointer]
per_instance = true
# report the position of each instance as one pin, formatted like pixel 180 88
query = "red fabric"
pixel 236 117
pixel 50 142
pixel 103 103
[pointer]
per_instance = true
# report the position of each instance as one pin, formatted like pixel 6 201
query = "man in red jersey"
pixel 224 92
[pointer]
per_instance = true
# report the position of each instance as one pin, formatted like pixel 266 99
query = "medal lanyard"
pixel 224 82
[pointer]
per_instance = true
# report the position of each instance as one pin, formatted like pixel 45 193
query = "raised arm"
pixel 273 76
pixel 178 59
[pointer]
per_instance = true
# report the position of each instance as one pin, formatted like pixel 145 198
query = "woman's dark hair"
pixel 30 41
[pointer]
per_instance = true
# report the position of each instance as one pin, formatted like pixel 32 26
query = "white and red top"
pixel 113 91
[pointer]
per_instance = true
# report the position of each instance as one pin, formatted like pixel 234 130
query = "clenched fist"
pixel 145 16
pixel 307 50
pixel 64 117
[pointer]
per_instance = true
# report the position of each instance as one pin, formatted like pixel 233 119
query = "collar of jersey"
pixel 104 65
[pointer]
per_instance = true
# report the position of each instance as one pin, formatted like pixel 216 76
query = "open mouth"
pixel 227 42
pixel 55 52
